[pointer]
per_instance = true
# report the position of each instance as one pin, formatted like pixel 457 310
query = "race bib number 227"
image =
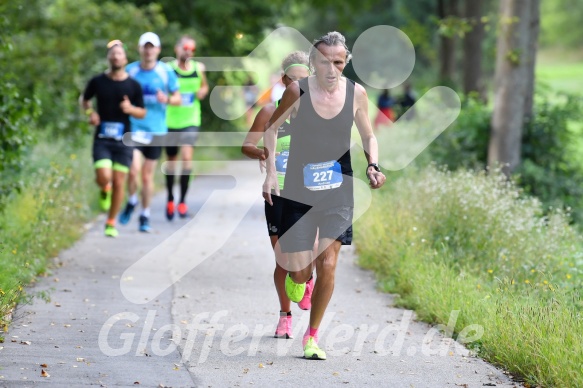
pixel 322 176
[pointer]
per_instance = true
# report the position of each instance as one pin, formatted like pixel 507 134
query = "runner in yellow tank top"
pixel 184 121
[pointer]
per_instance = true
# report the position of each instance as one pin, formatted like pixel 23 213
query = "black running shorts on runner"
pixel 113 150
pixel 300 225
pixel 273 215
pixel 180 137
pixel 150 152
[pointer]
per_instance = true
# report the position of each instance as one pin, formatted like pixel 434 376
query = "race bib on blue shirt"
pixel 111 130
pixel 322 176
pixel 142 137
pixel 150 97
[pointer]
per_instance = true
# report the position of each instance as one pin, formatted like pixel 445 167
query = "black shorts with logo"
pixel 273 215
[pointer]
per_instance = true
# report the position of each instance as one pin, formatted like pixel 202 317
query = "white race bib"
pixel 187 99
pixel 142 137
pixel 111 130
pixel 323 176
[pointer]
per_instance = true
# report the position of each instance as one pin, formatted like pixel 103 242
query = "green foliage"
pixel 473 242
pixel 221 23
pixel 453 26
pixel 44 218
pixel 465 142
pixel 550 168
pixel 59 45
pixel 17 117
pixel 561 23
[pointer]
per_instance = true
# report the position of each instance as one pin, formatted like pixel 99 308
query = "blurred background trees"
pixel 484 49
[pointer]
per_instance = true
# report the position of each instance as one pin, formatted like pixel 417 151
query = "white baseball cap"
pixel 149 37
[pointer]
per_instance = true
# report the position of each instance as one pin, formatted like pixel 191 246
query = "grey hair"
pixel 333 38
pixel 295 58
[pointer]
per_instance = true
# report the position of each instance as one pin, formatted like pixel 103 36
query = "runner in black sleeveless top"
pixel 318 184
pixel 321 154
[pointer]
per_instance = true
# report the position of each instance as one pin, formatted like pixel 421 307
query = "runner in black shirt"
pixel 118 97
pixel 318 180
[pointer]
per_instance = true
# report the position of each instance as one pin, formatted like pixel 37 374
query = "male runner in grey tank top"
pixel 318 183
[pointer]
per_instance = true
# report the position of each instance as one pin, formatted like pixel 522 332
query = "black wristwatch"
pixel 376 167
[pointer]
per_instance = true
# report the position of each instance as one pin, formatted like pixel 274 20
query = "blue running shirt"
pixel 161 77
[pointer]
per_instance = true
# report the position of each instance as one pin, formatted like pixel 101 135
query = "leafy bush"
pixel 550 167
pixel 44 218
pixel 17 118
pixel 465 143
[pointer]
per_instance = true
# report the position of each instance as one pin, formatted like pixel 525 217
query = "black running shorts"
pixel 273 215
pixel 300 224
pixel 114 150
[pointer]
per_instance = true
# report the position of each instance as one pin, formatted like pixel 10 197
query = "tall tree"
pixel 531 57
pixel 447 10
pixel 472 45
pixel 512 81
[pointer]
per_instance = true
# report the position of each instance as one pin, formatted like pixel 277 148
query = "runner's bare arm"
pixel 290 102
pixel 204 86
pixel 175 98
pixel 369 140
pixel 255 134
pixel 87 106
pixel 132 110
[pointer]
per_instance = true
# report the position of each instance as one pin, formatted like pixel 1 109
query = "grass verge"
pixel 44 218
pixel 471 242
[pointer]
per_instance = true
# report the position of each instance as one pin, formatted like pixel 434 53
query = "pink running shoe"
pixel 284 327
pixel 306 302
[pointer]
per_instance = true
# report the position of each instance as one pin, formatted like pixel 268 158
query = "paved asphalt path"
pixel 193 305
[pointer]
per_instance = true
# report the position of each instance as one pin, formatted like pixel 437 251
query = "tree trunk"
pixel 447 8
pixel 531 60
pixel 512 80
pixel 473 48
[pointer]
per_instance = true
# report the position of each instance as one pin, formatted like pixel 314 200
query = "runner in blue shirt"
pixel 160 88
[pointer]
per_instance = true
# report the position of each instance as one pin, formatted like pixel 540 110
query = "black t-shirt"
pixel 110 94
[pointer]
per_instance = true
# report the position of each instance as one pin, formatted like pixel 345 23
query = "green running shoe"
pixel 295 292
pixel 312 351
pixel 105 200
pixel 110 231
